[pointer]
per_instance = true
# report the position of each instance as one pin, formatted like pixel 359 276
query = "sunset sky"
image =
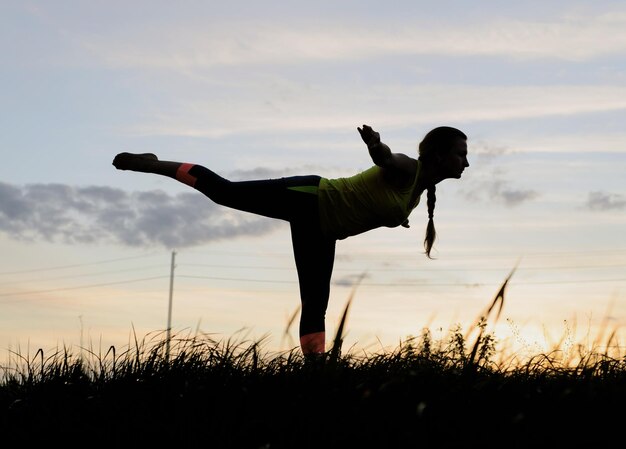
pixel 268 89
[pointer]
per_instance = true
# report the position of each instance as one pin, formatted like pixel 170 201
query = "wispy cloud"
pixel 300 40
pixel 350 280
pixel 204 64
pixel 62 213
pixel 512 197
pixel 317 109
pixel 601 201
pixel 501 192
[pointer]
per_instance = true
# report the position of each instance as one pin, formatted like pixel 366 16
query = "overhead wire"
pixel 277 281
pixel 99 273
pixel 464 269
pixel 389 284
pixel 84 264
pixel 104 284
pixel 403 255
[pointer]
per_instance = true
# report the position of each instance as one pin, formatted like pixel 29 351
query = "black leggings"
pixel 293 199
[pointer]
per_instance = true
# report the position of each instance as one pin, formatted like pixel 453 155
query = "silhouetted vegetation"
pixel 232 394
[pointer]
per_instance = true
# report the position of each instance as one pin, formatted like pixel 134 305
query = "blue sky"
pixel 257 90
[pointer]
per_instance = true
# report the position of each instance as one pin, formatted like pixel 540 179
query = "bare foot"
pixel 132 161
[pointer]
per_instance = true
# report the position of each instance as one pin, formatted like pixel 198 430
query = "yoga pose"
pixel 321 211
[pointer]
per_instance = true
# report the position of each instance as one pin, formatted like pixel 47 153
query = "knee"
pixel 210 183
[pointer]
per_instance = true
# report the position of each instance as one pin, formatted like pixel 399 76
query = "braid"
pixel 431 234
pixel 436 143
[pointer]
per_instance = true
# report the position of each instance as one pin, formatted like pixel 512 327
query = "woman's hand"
pixel 369 136
pixel 379 152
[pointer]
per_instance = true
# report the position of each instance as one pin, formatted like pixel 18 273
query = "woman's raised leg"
pixel 274 198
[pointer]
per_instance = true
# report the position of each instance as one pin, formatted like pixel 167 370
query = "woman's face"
pixel 453 163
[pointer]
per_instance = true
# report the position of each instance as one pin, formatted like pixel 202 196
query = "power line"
pixel 216 278
pixel 269 267
pixel 279 268
pixel 581 281
pixel 275 281
pixel 390 284
pixel 397 255
pixel 67 276
pixel 34 292
pixel 62 267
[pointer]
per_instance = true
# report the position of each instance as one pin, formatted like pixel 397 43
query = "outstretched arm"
pixel 398 168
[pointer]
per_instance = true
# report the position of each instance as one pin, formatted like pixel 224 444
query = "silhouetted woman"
pixel 321 211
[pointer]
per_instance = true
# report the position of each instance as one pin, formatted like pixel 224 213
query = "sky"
pixel 259 90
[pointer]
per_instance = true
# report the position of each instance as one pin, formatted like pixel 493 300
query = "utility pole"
pixel 169 309
pixel 80 317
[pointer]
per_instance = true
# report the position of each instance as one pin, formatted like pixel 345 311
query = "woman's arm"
pixel 398 169
pixel 380 153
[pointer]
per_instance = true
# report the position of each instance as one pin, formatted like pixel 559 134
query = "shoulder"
pixel 401 170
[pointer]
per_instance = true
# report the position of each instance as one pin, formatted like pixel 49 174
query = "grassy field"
pixel 196 392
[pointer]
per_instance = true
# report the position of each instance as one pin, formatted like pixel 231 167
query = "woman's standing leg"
pixel 314 255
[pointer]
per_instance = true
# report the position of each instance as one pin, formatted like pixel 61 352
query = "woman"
pixel 321 211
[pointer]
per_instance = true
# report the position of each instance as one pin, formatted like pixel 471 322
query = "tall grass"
pixel 194 390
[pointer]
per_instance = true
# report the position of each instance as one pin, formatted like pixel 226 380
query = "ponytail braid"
pixel 431 234
pixel 436 143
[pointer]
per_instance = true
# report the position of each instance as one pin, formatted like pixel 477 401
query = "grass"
pixel 208 393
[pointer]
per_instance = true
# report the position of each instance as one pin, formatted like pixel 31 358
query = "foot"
pixel 135 162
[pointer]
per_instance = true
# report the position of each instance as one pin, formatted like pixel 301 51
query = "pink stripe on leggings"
pixel 182 174
pixel 313 343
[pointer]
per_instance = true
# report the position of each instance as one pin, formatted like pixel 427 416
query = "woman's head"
pixel 443 154
pixel 439 140
pixel 444 151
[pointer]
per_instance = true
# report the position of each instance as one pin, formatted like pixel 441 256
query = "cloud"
pixel 95 214
pixel 350 280
pixel 514 197
pixel 486 153
pixel 209 44
pixel 213 117
pixel 258 173
pixel 606 201
pixel 493 184
pixel 500 191
pixel 205 64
